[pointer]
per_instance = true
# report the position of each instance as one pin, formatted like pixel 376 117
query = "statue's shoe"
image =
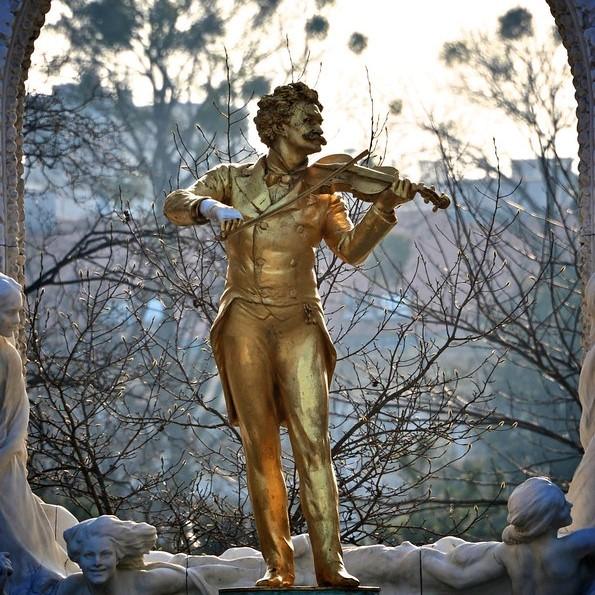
pixel 274 577
pixel 338 577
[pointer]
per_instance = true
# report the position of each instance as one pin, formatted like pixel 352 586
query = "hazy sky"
pixel 402 59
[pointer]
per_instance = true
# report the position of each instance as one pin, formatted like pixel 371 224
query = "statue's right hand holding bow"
pixel 226 217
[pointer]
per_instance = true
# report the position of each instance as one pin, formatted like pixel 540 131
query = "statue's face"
pixel 9 314
pixel 98 559
pixel 303 133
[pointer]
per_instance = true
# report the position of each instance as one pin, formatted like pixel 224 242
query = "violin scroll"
pixel 430 195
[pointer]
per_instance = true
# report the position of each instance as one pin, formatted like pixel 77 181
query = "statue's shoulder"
pixel 249 166
pixel 247 169
pixel 233 170
pixel 239 168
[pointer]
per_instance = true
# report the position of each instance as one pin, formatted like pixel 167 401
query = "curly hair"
pixel 534 507
pixel 131 540
pixel 276 109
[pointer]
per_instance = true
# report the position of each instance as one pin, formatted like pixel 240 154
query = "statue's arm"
pixel 167 580
pixel 352 243
pixel 582 542
pixel 183 207
pixel 459 572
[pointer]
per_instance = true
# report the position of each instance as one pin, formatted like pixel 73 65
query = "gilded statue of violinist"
pixel 270 342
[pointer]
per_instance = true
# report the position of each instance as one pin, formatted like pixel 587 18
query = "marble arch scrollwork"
pixel 20 24
pixel 575 20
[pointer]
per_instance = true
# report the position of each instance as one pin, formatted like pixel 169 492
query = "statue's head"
pixel 11 304
pixel 534 508
pixel 102 544
pixel 291 112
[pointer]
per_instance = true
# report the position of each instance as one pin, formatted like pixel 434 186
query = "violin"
pixel 340 173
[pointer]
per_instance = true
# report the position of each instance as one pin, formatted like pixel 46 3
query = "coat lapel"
pixel 251 196
pixel 288 198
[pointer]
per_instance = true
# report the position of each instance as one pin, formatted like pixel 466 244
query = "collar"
pixel 276 172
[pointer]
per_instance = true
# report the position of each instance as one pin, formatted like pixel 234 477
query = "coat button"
pixel 293 263
pixel 300 229
pixel 292 293
pixel 263 225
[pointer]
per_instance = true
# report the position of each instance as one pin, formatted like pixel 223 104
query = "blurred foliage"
pixel 395 107
pixel 317 27
pixel 357 43
pixel 454 51
pixel 255 87
pixel 516 23
pixel 115 24
pixel 167 48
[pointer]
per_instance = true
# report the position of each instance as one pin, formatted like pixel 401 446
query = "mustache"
pixel 315 136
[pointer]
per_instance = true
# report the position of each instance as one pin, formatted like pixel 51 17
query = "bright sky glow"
pixel 402 59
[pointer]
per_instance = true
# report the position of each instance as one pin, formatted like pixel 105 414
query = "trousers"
pixel 275 369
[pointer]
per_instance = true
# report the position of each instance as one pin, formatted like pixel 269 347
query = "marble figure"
pixel 110 553
pixel 25 529
pixel 536 560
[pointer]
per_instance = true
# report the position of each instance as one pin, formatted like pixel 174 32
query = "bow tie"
pixel 284 178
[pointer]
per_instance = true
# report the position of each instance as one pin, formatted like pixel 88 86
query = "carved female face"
pixel 10 307
pixel 98 559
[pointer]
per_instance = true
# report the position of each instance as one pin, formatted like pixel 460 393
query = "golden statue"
pixel 270 342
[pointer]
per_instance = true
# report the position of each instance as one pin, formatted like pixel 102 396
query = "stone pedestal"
pixel 300 591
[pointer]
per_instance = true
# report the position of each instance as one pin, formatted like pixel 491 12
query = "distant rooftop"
pixel 529 170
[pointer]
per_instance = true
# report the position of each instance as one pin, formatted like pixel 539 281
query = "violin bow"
pixel 308 191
